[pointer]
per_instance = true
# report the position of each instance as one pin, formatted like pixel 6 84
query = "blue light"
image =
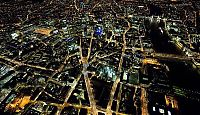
pixel 98 31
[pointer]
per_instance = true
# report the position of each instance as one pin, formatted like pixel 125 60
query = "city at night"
pixel 99 57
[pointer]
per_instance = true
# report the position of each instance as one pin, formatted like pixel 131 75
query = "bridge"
pixel 172 57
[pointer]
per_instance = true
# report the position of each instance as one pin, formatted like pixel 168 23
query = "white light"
pixel 161 30
pixel 169 113
pixel 161 110
pixel 140 6
pixel 154 108
pixel 14 35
